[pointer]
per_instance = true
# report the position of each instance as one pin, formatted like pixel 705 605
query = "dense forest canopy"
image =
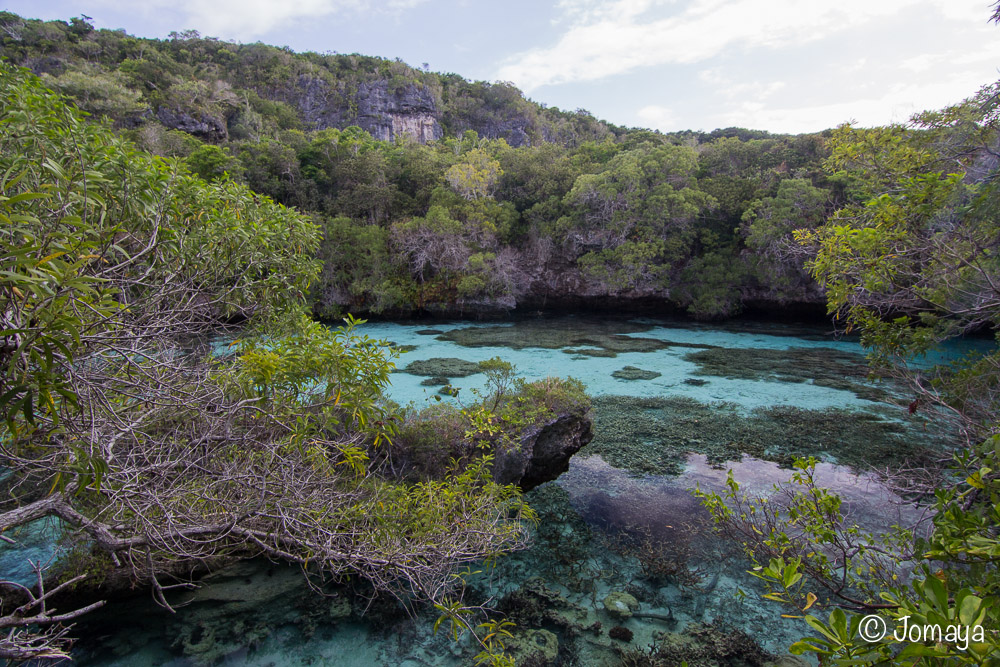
pixel 437 193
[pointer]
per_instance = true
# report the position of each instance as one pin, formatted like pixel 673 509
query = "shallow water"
pixel 596 519
pixel 535 363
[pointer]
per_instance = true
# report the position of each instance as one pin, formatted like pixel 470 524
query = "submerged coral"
pixel 701 645
pixel 533 648
pixel 595 338
pixel 448 367
pixel 634 373
pixel 821 366
pixel 654 435
pixel 620 605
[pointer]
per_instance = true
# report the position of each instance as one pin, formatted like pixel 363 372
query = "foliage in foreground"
pixel 154 450
pixel 914 261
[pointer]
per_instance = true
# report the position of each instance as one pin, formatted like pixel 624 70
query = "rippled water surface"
pixel 622 520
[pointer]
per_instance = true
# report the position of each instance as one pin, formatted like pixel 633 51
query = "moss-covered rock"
pixel 620 605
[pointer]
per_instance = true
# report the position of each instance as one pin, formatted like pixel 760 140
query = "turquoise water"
pixel 597 519
pixel 535 363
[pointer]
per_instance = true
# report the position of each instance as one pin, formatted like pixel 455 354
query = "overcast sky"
pixel 778 65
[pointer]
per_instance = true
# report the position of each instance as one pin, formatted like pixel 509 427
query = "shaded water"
pixel 621 520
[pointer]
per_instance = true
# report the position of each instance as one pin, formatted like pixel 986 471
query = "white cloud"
pixel 731 89
pixel 897 104
pixel 657 117
pixel 606 39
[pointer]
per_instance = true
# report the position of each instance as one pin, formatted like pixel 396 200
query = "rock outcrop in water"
pixel 544 453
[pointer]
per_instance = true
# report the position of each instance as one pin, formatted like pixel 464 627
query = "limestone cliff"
pixel 409 111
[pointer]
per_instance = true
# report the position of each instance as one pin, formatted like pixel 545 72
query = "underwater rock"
pixel 584 352
pixel 533 647
pixel 788 661
pixel 704 645
pixel 428 332
pixel 442 367
pixel 544 452
pixel 340 607
pixel 695 382
pixel 435 381
pixel 621 633
pixel 633 373
pixel 620 605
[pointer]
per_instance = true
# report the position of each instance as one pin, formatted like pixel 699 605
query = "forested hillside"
pixel 439 194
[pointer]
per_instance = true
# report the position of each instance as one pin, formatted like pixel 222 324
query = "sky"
pixel 779 65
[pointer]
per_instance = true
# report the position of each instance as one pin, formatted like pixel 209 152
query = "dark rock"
pixel 204 126
pixel 435 381
pixel 621 633
pixel 46 65
pixel 544 452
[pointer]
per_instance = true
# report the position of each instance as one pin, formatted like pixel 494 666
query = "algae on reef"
pixel 634 373
pixel 442 367
pixel 594 338
pixel 821 366
pixel 654 435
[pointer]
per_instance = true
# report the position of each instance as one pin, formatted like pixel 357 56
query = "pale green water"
pixel 594 518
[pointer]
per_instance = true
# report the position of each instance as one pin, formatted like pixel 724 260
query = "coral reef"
pixel 448 367
pixel 819 365
pixel 533 648
pixel 621 633
pixel 435 381
pixel 595 338
pixel 701 645
pixel 590 352
pixel 634 373
pixel 620 605
pixel 653 435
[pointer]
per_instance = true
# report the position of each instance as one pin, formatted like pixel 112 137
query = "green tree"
pixel 910 263
pixel 156 454
pixel 476 176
